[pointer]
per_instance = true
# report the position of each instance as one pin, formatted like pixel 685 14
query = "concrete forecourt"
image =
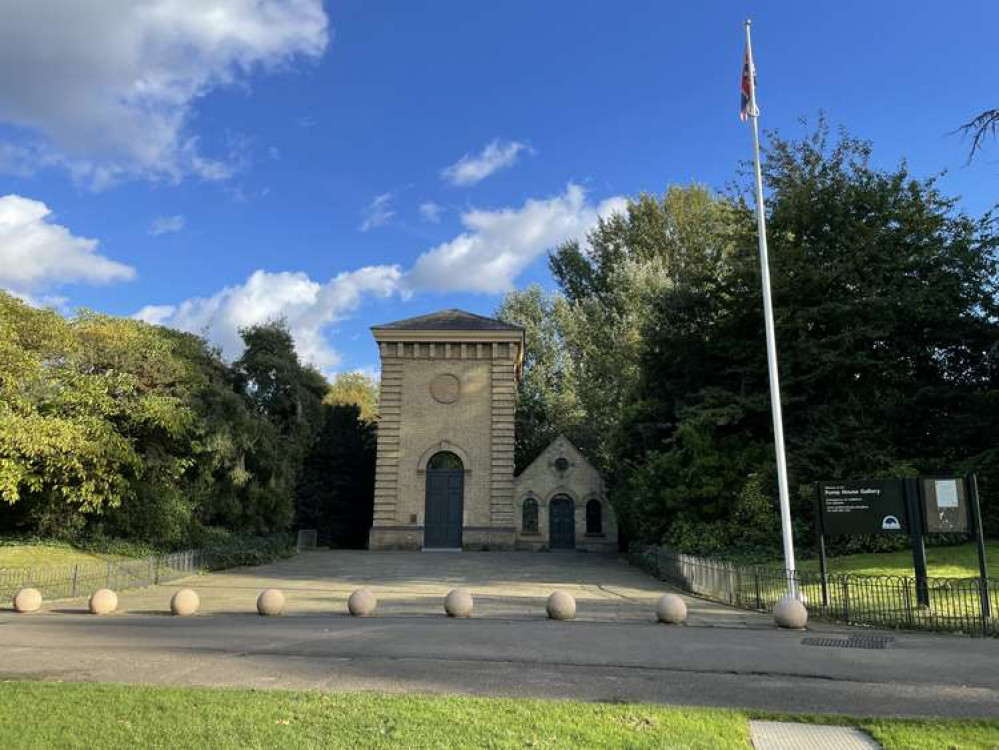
pixel 613 651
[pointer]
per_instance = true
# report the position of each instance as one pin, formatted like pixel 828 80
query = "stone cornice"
pixel 392 335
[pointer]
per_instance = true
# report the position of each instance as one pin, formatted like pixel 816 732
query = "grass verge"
pixel 959 561
pixel 34 555
pixel 64 715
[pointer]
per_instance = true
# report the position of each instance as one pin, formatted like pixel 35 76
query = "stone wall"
pixel 543 480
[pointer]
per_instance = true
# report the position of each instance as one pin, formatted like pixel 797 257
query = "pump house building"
pixel 445 470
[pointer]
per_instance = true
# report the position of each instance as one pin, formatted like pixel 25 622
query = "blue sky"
pixel 282 150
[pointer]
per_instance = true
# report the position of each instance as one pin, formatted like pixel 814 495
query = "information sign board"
pixel 863 507
pixel 945 506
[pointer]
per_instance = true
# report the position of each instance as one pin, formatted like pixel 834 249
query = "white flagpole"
pixel 768 317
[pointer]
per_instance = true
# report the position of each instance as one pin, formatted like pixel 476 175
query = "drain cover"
pixel 854 641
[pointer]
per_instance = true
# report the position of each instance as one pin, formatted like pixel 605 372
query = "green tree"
pixel 64 446
pixel 547 404
pixel 885 298
pixel 354 388
pixel 289 396
pixel 336 487
pixel 112 426
pixel 683 239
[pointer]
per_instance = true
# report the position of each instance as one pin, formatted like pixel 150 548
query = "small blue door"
pixel 561 523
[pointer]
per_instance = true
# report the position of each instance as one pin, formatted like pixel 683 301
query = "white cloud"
pixel 166 224
pixel 469 170
pixel 106 88
pixel 307 306
pixel 157 314
pixel 497 246
pixel 37 255
pixel 500 244
pixel 378 213
pixel 431 212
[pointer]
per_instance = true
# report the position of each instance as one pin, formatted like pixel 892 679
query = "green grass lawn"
pixel 64 715
pixel 960 561
pixel 31 555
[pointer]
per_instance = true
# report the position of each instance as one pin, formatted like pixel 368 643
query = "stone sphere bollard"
pixel 561 606
pixel 671 609
pixel 27 600
pixel 103 602
pixel 185 602
pixel 362 603
pixel 790 613
pixel 271 602
pixel 458 603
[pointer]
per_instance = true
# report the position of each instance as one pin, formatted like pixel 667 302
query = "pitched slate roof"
pixel 448 320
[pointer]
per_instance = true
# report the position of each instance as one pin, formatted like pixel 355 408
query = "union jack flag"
pixel 746 84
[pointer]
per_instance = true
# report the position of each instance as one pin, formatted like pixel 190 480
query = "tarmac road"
pixel 616 652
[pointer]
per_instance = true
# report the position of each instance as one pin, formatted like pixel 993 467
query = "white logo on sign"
pixel 890 523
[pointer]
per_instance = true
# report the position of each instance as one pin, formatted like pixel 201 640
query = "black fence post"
pixel 76 578
pixel 823 570
pixel 845 581
pixel 821 534
pixel 913 497
pixel 909 614
pixel 983 568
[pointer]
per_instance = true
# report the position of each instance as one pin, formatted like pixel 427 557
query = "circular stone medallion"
pixel 445 388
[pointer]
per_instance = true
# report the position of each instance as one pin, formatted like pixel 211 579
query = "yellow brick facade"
pixel 477 426
pixel 449 384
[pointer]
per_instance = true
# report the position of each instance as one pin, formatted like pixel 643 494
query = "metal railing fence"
pixel 81 579
pixel 69 581
pixel 307 539
pixel 876 601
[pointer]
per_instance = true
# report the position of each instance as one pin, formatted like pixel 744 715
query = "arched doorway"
pixel 445 501
pixel 561 523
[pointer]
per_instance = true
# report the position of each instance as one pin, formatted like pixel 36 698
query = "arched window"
pixel 594 518
pixel 530 516
pixel 445 460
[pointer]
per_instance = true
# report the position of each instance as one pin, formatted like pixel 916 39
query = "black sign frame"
pixel 915 504
pixel 866 506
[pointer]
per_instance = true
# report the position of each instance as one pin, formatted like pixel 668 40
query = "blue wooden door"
pixel 561 523
pixel 445 507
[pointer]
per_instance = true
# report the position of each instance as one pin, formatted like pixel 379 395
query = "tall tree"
pixel 354 388
pixel 547 403
pixel 631 260
pixel 886 303
pixel 289 395
pixel 114 426
pixel 335 493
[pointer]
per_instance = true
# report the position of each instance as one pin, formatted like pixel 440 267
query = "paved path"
pixel 504 584
pixel 614 652
pixel 507 584
pixel 783 735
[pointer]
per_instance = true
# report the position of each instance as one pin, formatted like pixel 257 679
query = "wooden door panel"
pixel 445 508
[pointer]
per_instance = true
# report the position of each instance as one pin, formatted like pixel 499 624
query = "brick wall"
pixel 478 426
